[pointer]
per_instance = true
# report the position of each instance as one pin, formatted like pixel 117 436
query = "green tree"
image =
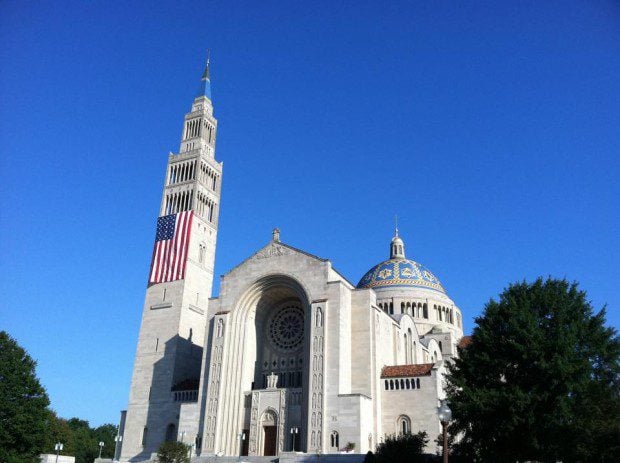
pixel 85 445
pixel 406 448
pixel 173 452
pixel 540 379
pixel 23 405
pixel 106 433
pixel 58 430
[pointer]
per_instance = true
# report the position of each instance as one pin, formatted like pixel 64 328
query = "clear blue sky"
pixel 491 128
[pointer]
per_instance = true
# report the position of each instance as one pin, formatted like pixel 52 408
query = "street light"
pixel 445 416
pixel 191 448
pixel 294 432
pixel 117 441
pixel 241 439
pixel 101 445
pixel 58 448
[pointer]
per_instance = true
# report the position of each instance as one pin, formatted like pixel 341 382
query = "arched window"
pixel 397 385
pixel 387 384
pixel 404 425
pixel 425 310
pixel 410 347
pixel 407 383
pixel 417 383
pixel 402 384
pixel 335 439
pixel 391 308
pixel 391 384
pixel 171 434
pixel 220 328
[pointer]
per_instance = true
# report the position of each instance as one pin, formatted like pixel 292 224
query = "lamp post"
pixel 101 445
pixel 58 448
pixel 190 451
pixel 445 416
pixel 117 441
pixel 241 439
pixel 294 432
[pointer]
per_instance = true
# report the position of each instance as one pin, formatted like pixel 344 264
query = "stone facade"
pixel 290 349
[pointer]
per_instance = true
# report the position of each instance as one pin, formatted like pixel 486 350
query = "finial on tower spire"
pixel 206 73
pixel 396 225
pixel 275 234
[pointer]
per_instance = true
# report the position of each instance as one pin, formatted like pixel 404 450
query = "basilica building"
pixel 291 356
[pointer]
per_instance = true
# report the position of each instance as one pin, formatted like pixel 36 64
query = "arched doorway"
pixel 269 431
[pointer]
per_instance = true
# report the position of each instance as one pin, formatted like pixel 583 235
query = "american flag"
pixel 170 250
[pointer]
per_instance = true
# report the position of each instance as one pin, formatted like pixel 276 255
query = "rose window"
pixel 286 329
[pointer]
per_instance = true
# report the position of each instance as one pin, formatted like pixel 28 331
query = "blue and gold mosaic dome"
pixel 399 271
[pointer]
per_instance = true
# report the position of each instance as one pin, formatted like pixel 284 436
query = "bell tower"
pixel 173 328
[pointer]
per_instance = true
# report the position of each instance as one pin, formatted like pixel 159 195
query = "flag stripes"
pixel 171 245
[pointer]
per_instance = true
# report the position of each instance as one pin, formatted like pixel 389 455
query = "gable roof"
pixel 396 371
pixel 272 245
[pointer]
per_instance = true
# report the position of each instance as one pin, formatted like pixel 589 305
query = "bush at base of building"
pixel 173 452
pixel 406 448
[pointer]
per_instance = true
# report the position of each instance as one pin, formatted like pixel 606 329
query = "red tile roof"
pixel 464 342
pixel 394 371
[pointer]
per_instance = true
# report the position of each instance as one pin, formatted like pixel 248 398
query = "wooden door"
pixel 270 440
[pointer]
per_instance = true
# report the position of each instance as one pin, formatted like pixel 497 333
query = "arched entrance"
pixel 271 322
pixel 269 431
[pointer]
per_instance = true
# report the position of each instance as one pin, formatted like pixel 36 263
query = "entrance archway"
pixel 269 431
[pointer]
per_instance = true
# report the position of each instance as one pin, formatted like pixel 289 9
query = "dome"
pixel 399 271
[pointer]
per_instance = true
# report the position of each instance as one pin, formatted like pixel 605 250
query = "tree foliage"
pixel 28 427
pixel 24 415
pixel 406 448
pixel 540 379
pixel 79 439
pixel 173 452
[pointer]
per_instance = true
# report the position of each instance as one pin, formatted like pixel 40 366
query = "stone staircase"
pixel 287 457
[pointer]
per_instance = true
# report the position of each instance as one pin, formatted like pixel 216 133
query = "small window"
pixel 335 439
pixel 417 382
pixel 404 425
pixel 144 434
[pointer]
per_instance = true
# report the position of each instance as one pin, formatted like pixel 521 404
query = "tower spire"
pixel 205 81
